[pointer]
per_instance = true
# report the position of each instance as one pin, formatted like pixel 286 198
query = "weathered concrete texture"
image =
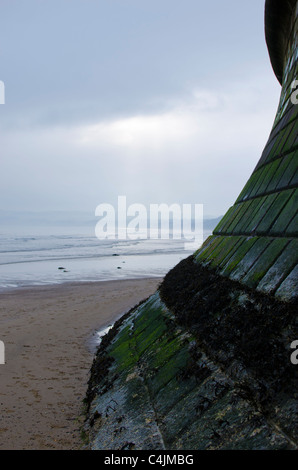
pixel 205 362
pixel 256 241
pixel 211 371
pixel 263 263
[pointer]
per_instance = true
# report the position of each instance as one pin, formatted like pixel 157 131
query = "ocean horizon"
pixel 40 254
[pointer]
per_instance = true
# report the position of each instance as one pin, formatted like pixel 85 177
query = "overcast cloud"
pixel 161 101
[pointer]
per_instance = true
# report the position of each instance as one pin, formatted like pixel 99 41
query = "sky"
pixel 161 101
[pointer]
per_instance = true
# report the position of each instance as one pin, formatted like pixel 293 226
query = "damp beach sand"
pixel 49 335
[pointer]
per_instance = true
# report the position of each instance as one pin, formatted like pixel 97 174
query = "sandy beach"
pixel 49 334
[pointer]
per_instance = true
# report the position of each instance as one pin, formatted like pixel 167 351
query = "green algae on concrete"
pixel 147 354
pixel 229 265
pixel 204 363
pixel 176 380
pixel 264 262
pixel 267 205
pixel 287 291
pixel 280 269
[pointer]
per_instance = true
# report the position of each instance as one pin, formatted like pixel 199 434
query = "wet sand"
pixel 49 334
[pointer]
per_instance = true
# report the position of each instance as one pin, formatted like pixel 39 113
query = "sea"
pixel 51 252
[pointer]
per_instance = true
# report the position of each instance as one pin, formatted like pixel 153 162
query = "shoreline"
pixel 48 332
pixel 70 283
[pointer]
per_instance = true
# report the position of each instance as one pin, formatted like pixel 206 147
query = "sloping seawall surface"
pixel 211 371
pixel 205 362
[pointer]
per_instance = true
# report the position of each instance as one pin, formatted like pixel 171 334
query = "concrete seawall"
pixel 204 363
